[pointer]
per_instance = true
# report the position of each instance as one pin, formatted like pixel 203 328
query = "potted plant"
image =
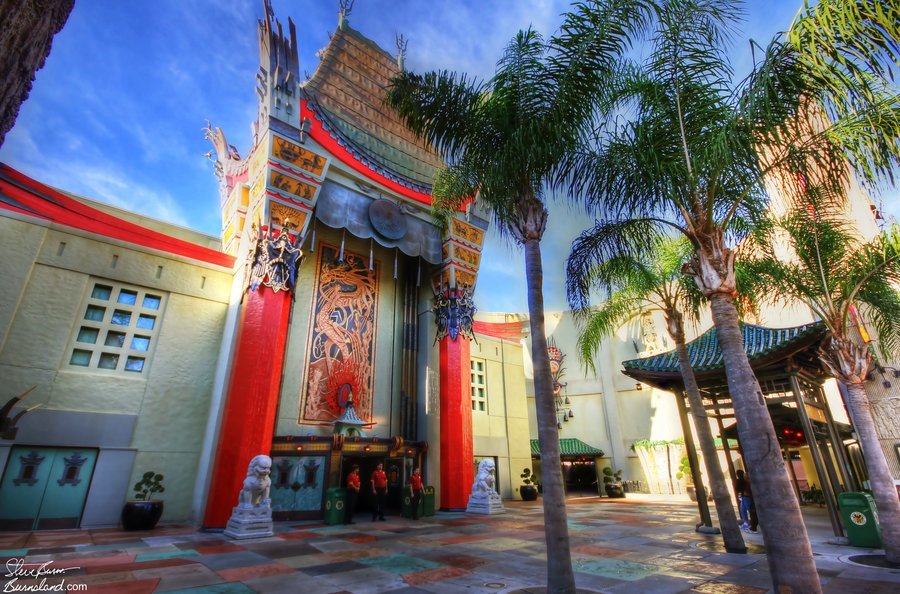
pixel 612 483
pixel 142 513
pixel 684 472
pixel 528 490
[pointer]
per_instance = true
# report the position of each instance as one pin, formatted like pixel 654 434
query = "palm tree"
pixel 503 139
pixel 834 271
pixel 690 150
pixel 639 285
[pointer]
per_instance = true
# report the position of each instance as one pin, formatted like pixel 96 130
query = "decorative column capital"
pixel 454 311
pixel 274 259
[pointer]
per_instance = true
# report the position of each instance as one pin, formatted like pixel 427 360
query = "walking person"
pixel 353 484
pixel 415 492
pixel 379 489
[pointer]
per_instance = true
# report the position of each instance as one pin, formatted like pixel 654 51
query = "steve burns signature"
pixel 17 569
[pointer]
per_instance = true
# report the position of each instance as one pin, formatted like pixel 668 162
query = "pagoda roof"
pixel 347 93
pixel 569 446
pixel 764 346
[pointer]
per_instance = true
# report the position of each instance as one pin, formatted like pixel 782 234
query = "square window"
pixel 151 301
pixel 127 297
pixel 146 322
pixel 108 361
pixel 86 334
pixel 101 292
pixel 134 364
pixel 121 318
pixel 81 358
pixel 94 313
pixel 115 339
pixel 140 343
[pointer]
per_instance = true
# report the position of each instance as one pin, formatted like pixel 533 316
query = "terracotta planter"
pixel 528 492
pixel 692 492
pixel 141 515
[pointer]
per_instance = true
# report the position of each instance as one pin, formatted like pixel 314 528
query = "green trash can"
pixel 334 505
pixel 860 519
pixel 428 501
pixel 406 509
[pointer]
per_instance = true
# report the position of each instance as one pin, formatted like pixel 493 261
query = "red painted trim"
pixel 457 446
pixel 251 404
pixel 67 211
pixel 323 137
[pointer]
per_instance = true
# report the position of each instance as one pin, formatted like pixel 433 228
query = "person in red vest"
pixel 353 484
pixel 415 492
pixel 379 489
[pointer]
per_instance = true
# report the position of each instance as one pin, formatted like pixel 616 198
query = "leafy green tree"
pixel 503 139
pixel 689 149
pixel 637 285
pixel 833 271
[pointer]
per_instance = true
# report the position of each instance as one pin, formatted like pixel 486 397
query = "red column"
pixel 248 422
pixel 457 452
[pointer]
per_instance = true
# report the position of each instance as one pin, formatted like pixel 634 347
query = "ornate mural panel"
pixel 342 337
pixel 298 156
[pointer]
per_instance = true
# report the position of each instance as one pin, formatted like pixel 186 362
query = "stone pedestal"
pixel 250 522
pixel 485 505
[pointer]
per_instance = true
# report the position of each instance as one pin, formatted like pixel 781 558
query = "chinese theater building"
pixel 328 216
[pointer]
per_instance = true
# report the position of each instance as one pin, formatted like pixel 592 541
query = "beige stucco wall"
pixel 502 431
pixel 48 272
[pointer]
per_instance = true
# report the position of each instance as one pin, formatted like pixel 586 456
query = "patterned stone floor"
pixel 641 545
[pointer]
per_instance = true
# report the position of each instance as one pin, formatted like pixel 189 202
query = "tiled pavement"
pixel 639 545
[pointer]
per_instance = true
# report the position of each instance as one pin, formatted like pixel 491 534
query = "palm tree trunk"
pixel 788 550
pixel 560 576
pixel 731 532
pixel 880 480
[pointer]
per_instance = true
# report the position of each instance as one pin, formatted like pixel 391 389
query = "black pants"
pixel 378 509
pixel 416 498
pixel 350 505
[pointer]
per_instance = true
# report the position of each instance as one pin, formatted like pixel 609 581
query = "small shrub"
pixel 610 476
pixel 527 477
pixel 149 484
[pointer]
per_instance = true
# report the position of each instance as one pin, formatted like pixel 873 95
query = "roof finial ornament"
pixel 402 42
pixel 344 9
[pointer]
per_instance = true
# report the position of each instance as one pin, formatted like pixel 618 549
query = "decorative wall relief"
pixel 342 335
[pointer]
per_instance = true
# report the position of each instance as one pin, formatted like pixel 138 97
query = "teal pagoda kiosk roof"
pixel 764 347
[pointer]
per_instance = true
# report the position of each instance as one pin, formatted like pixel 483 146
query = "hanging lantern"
pixel 565 417
pixel 571 414
pixel 558 425
pixel 567 399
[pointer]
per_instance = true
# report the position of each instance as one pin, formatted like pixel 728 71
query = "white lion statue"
pixel 483 487
pixel 256 486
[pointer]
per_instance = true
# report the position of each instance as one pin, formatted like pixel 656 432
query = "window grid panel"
pixel 118 329
pixel 479 385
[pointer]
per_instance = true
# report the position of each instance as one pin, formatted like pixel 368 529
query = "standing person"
pixel 379 489
pixel 740 485
pixel 750 505
pixel 415 492
pixel 353 484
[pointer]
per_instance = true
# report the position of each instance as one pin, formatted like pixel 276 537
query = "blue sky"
pixel 117 112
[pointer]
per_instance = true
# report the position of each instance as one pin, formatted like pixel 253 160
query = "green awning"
pixel 760 343
pixel 569 446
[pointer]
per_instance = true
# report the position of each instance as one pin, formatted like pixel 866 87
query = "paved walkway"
pixel 638 545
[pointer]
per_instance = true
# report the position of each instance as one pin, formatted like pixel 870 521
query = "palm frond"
pixel 602 322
